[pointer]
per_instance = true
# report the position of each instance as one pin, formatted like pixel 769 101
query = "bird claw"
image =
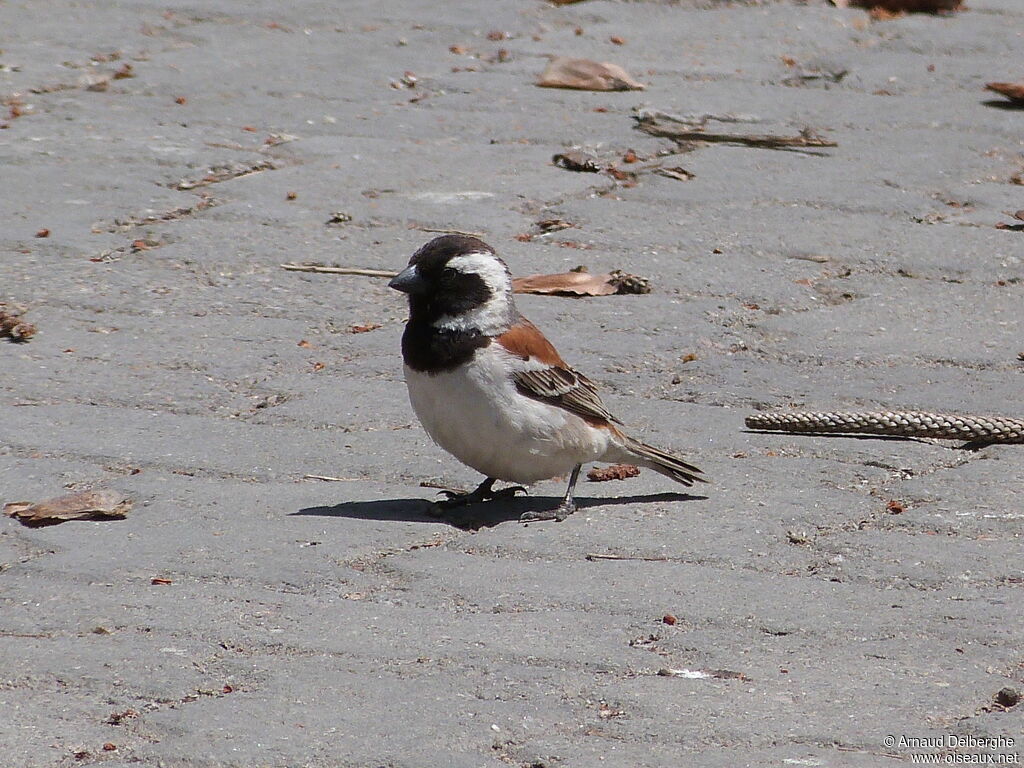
pixel 455 499
pixel 564 509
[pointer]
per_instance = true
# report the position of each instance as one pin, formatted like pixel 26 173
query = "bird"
pixel 490 389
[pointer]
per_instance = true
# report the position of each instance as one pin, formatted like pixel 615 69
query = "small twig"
pixel 806 138
pixel 447 231
pixel 232 145
pixel 693 120
pixel 338 270
pixel 594 556
pixel 682 133
pixel 442 487
pixel 329 479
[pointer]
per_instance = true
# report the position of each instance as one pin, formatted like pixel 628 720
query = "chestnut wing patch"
pixel 566 389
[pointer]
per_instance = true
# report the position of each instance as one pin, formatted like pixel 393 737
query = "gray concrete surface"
pixel 322 624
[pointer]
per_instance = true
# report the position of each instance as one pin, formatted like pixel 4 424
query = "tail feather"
pixel 661 461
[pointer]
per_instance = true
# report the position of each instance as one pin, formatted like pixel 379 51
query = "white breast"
pixel 476 413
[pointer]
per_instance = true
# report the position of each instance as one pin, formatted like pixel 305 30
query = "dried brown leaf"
pixel 612 472
pixel 587 75
pixel 1013 91
pixel 101 504
pixel 581 283
pixel 565 284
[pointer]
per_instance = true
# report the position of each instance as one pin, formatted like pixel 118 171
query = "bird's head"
pixel 458 283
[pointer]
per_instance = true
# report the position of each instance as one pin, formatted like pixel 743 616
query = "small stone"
pixel 1008 697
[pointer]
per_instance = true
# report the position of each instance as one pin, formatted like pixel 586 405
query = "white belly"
pixel 476 414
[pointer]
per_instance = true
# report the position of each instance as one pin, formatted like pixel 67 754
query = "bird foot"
pixel 564 509
pixel 477 496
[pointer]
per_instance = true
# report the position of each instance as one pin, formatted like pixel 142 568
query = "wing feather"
pixel 566 389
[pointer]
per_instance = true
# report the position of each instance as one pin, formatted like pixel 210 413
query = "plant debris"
pixel 577 160
pixel 678 173
pixel 814 74
pixel 339 270
pixel 581 283
pixel 902 6
pixel 365 328
pixel 120 225
pixel 338 217
pixel 797 537
pixel 553 225
pixel 218 173
pixel 444 231
pixel 612 472
pixel 330 478
pixel 586 75
pixel 698 674
pixel 101 504
pixel 13 327
pixel 665 126
pixel 1013 91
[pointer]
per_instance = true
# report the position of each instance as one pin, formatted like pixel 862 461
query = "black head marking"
pixel 437 253
pixel 437 290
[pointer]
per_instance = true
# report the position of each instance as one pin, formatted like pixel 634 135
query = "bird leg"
pixel 566 508
pixel 483 492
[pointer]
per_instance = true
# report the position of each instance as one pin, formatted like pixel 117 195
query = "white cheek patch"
pixel 495 316
pixel 494 274
pixel 490 319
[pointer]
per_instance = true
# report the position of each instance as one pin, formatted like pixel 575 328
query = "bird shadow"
pixel 1009 106
pixel 475 516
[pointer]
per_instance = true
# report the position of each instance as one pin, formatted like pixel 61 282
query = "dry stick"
pixel 448 231
pixel 594 556
pixel 806 138
pixel 338 270
pixel 329 479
